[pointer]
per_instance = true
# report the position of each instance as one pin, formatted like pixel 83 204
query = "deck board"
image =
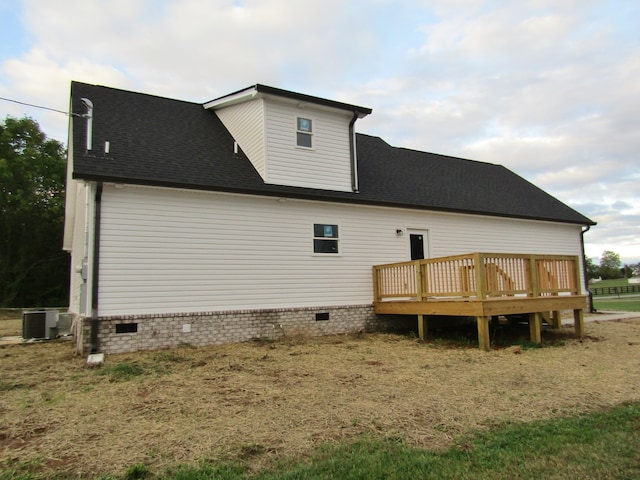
pixel 475 308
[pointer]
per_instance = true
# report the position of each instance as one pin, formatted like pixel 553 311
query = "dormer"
pixel 294 139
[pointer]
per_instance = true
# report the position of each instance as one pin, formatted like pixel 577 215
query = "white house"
pixel 261 214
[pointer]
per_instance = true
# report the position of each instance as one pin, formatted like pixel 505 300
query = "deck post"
pixel 481 277
pixel 535 327
pixel 533 276
pixel 556 320
pixel 578 322
pixel 418 272
pixel 376 292
pixel 422 327
pixel 575 278
pixel 484 340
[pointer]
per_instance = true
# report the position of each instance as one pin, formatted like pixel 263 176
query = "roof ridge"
pixel 133 92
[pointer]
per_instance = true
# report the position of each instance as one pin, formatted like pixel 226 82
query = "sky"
pixel 548 88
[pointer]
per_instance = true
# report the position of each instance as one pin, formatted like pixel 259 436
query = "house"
pixel 261 214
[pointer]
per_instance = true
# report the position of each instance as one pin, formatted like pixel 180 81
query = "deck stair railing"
pixel 478 276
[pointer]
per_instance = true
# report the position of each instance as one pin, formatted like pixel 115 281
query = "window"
pixel 325 238
pixel 304 133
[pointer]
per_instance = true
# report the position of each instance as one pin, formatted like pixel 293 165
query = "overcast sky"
pixel 548 88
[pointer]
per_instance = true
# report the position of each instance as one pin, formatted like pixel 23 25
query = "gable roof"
pixel 173 143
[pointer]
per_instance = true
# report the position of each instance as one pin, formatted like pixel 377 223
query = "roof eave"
pixel 259 90
pixel 342 197
pixel 233 98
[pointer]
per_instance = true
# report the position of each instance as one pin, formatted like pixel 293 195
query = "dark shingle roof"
pixel 165 142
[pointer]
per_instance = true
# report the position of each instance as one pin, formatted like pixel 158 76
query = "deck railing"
pixel 478 276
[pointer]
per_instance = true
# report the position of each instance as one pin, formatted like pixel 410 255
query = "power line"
pixel 44 108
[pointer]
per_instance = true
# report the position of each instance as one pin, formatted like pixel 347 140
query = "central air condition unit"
pixel 40 324
pixel 65 320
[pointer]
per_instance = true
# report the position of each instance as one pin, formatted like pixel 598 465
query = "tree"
pixel 34 271
pixel 593 271
pixel 610 265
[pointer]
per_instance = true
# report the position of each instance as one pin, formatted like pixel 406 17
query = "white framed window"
pixel 326 238
pixel 304 132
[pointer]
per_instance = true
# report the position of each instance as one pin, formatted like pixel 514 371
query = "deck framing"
pixel 483 286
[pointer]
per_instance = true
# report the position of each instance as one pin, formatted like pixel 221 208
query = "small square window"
pixel 325 238
pixel 304 132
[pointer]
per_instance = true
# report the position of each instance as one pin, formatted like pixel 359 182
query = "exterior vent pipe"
pixel 89 116
pixel 353 154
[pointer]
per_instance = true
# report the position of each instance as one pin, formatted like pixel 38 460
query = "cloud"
pixel 548 89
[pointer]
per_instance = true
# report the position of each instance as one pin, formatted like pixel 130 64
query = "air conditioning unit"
pixel 65 320
pixel 39 324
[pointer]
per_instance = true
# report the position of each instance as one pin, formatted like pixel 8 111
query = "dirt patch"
pixel 264 400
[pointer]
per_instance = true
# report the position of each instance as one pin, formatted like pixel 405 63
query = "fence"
pixel 615 290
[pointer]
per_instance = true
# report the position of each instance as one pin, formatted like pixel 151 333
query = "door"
pixel 418 244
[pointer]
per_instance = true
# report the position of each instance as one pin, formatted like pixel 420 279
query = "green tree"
pixel 610 265
pixel 593 271
pixel 34 271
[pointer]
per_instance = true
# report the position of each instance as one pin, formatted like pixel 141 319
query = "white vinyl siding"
pixel 245 122
pixel 326 166
pixel 78 246
pixel 266 130
pixel 172 251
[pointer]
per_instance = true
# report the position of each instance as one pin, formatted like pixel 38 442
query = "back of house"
pixel 261 214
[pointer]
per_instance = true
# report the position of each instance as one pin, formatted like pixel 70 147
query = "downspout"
pixel 584 269
pixel 96 269
pixel 352 153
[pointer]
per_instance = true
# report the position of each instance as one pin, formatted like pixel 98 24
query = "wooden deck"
pixel 483 285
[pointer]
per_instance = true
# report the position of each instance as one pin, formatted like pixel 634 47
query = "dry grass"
pixel 9 325
pixel 259 401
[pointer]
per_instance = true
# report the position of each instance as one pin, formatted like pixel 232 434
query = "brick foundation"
pixel 120 334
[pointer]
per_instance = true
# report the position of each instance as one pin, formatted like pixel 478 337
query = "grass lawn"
pixel 616 282
pixel 596 446
pixel 622 304
pixel 601 445
pixel 344 406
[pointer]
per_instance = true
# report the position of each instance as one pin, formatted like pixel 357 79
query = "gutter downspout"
pixel 352 153
pixel 96 268
pixel 584 269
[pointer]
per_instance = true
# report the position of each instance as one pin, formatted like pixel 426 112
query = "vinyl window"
pixel 325 238
pixel 304 132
